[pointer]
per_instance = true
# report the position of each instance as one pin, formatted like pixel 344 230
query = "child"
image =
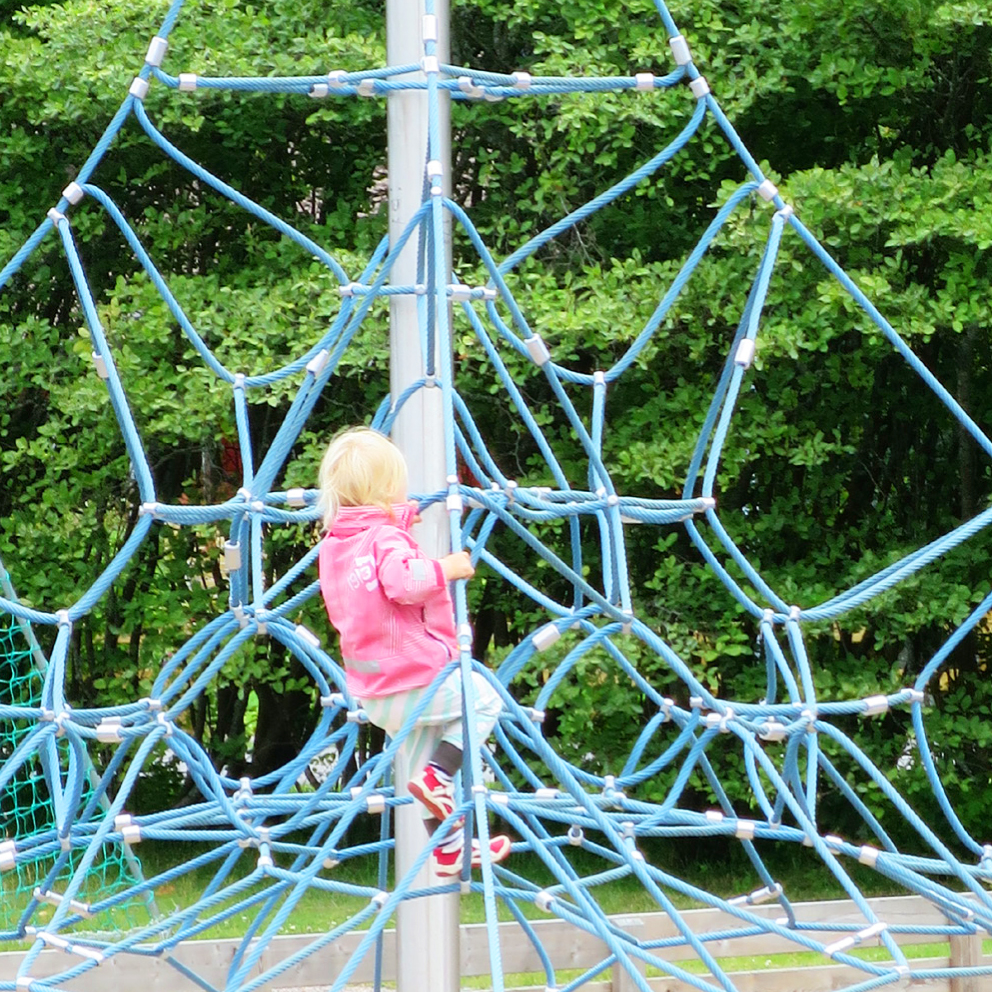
pixel 391 607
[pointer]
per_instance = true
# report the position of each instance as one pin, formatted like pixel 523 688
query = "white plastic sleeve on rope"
pixel 522 80
pixel 232 556
pixel 575 835
pixel 745 353
pixel 744 829
pixel 459 292
pixel 296 497
pixel 714 816
pixel 336 77
pixel 546 794
pixel 875 705
pixel 538 350
pixel 109 730
pixel 8 852
pixel 73 193
pixel 307 635
pixel 156 51
pixel 773 731
pixel 768 190
pixel 429 63
pixel 376 803
pixel 319 90
pixel 317 364
pixel 468 87
pixel 454 502
pixel 100 365
pixel 366 87
pixel 644 80
pixel 699 87
pixel 55 216
pixel 544 901
pixel 129 830
pixel 187 82
pixel 832 840
pixel 680 50
pixel 428 31
pixel 545 637
pixel 434 169
pixel 139 88
pixel 785 213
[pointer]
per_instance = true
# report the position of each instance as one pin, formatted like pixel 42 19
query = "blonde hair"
pixel 361 467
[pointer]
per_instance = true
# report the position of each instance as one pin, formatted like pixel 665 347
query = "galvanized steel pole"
pixel 427 930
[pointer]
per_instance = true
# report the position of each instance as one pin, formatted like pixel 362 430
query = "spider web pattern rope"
pixel 551 804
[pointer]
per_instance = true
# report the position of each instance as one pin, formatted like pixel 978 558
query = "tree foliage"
pixel 875 117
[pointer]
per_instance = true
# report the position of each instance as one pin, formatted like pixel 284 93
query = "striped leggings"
pixel 441 719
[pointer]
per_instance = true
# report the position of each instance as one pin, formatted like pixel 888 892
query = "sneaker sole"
pixel 438 812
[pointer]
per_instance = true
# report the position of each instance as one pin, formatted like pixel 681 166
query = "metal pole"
pixel 427 930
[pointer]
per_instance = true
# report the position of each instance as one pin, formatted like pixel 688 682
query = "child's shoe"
pixel 448 860
pixel 437 796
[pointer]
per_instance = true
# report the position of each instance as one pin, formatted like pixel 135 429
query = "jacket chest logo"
pixel 363 574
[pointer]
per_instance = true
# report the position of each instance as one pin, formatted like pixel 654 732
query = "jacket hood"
pixel 354 519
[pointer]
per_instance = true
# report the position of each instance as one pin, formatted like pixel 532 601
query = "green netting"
pixel 26 806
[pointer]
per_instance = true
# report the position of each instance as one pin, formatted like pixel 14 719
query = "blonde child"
pixel 391 607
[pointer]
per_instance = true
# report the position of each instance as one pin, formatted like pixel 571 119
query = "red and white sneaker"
pixel 437 796
pixel 448 860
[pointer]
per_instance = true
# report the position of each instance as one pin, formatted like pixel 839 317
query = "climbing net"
pixel 298 841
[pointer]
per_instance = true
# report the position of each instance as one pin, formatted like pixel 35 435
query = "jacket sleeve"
pixel 406 574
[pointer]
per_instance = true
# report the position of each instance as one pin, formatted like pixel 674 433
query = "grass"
pixel 711 865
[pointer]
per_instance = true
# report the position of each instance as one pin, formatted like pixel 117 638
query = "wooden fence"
pixel 566 946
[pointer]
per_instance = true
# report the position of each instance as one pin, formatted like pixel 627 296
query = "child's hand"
pixel 457 566
pixel 416 517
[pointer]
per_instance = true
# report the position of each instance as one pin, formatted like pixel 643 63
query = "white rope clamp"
pixel 55 216
pixel 108 731
pixel 428 31
pixel 847 942
pixel 366 87
pixel 768 190
pixel 459 292
pixel 232 556
pixel 187 82
pixel 745 829
pixel 538 350
pixel 875 705
pixel 522 80
pixel 745 353
pixel 129 830
pixel 429 63
pixel 73 193
pixel 337 77
pixel 308 636
pixel 100 365
pixel 8 854
pixel 318 91
pixel 296 497
pixel 699 87
pixel 156 51
pixel 644 80
pixel 868 855
pixel 680 50
pixel 139 88
pixel 469 88
pixel 545 637
pixel 317 364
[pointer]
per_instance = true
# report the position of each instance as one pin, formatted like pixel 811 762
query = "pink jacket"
pixel 387 600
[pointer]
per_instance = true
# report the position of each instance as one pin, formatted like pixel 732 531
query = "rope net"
pixel 298 841
pixel 26 803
